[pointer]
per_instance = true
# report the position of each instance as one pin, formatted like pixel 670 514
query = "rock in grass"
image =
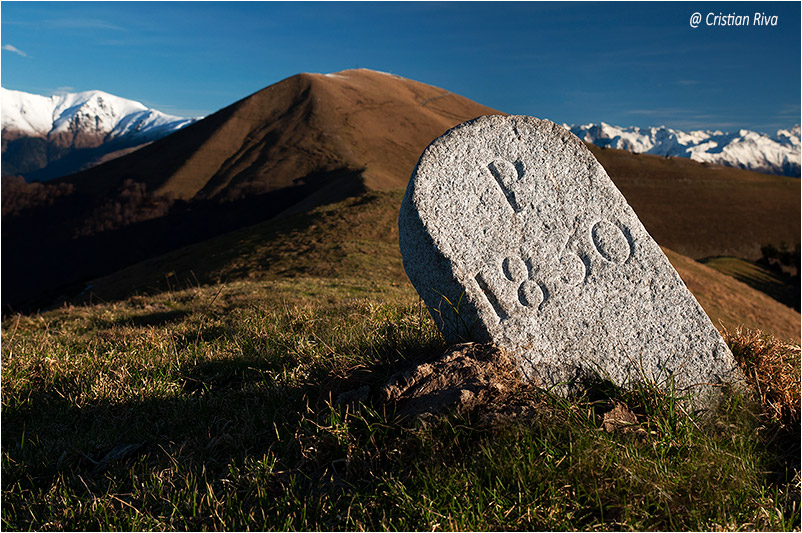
pixel 513 234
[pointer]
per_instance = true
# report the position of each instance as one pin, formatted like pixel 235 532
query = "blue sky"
pixel 638 64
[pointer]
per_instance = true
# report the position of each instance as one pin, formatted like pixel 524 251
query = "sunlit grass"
pixel 215 408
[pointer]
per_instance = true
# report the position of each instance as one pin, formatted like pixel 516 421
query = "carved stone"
pixel 513 234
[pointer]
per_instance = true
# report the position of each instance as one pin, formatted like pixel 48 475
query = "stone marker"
pixel 513 234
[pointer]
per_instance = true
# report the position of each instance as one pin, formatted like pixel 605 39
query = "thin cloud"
pixel 788 112
pixel 83 24
pixel 659 111
pixel 12 48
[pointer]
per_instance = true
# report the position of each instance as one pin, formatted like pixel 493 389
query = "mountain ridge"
pixel 744 149
pixel 44 137
pixel 101 126
pixel 308 140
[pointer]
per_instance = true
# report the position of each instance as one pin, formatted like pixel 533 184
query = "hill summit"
pixel 365 127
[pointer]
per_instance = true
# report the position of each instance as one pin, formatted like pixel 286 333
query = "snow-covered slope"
pixel 90 112
pixel 48 136
pixel 779 154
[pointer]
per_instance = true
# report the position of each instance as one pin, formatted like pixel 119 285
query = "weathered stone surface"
pixel 513 233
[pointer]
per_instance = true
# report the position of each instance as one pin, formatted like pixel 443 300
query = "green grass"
pixel 779 287
pixel 357 237
pixel 215 408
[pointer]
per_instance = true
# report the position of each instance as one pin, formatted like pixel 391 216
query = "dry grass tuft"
pixel 772 368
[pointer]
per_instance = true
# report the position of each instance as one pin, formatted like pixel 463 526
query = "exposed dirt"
pixel 476 380
pixel 467 376
pixel 619 418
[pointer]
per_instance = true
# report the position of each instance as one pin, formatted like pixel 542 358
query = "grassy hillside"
pixel 308 140
pixel 779 286
pixel 702 210
pixel 359 238
pixel 238 384
pixel 216 408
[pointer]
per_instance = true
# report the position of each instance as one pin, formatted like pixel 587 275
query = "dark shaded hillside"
pixel 358 238
pixel 43 262
pixel 42 159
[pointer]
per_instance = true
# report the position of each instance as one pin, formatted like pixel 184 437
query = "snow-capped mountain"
pixel 89 112
pixel 746 149
pixel 74 130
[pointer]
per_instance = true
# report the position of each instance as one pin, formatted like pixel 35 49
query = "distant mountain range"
pixel 744 149
pixel 44 137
